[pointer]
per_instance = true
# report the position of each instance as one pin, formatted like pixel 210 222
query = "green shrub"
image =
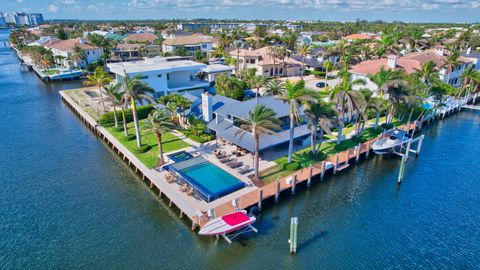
pixel 107 119
pixel 117 129
pixel 130 137
pixel 292 166
pixel 142 149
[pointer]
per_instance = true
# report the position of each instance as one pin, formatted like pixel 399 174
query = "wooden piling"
pixel 310 173
pixel 260 198
pixel 277 192
pixel 419 146
pixel 407 152
pixel 402 169
pixel 324 169
pixel 294 183
pixel 357 152
pixel 293 235
pixel 368 149
pixel 335 165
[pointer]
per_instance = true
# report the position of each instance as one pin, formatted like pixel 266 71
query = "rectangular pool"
pixel 210 181
pixel 180 156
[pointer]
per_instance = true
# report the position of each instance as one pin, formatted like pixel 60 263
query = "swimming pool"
pixel 180 156
pixel 210 181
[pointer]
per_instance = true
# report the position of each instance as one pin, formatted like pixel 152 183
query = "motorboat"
pixel 228 223
pixel 392 142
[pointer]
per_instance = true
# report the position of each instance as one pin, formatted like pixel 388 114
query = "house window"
pixel 252 61
pixel 276 70
pixel 281 70
pixel 93 52
pixel 88 52
pixel 168 76
pixel 143 77
pixel 159 75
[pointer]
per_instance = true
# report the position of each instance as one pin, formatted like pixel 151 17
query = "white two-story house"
pixel 167 75
pixel 191 43
pixel 65 48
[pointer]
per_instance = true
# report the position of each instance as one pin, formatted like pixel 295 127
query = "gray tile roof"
pixel 225 129
pixel 241 109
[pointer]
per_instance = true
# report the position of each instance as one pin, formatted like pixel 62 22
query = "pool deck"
pixel 196 209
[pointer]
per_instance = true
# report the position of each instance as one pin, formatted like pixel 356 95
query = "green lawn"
pixel 170 143
pixel 304 158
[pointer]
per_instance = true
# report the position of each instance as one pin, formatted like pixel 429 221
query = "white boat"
pixel 227 223
pixel 394 140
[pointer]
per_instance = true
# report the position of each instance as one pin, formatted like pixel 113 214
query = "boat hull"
pixel 227 224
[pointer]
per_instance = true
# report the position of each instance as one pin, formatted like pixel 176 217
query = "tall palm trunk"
pixel 115 116
pixel 320 140
pixel 377 119
pixel 256 155
pixel 303 66
pixel 124 120
pixel 340 127
pixel 160 147
pixel 292 131
pixel 326 76
pixel 313 138
pixel 101 98
pixel 135 121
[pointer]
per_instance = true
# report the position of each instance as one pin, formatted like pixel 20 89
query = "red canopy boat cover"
pixel 235 218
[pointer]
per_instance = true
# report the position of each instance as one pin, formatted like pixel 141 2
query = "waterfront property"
pixel 412 63
pixel 65 49
pixel 168 75
pixel 227 119
pixel 191 44
pixel 266 63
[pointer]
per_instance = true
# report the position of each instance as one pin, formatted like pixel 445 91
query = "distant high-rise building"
pixel 36 18
pixel 21 18
pixel 3 22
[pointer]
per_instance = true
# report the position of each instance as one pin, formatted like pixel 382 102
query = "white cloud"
pixel 92 7
pixel 356 5
pixel 53 8
pixel 20 1
pixel 68 2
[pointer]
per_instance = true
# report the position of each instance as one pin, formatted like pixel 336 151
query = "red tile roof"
pixel 357 37
pixel 141 37
pixel 69 44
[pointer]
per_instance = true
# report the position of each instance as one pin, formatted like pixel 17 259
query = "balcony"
pixel 186 85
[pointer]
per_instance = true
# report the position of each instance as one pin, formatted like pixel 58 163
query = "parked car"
pixel 321 84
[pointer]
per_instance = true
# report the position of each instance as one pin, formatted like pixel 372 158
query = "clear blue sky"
pixel 332 10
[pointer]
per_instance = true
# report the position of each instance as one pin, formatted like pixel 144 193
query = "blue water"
pixel 180 156
pixel 68 202
pixel 211 177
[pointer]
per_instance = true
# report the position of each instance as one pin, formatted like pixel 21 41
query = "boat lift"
pixel 230 236
pixel 404 152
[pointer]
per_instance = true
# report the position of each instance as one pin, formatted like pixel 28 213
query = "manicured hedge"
pixel 107 119
pixel 142 149
pixel 292 166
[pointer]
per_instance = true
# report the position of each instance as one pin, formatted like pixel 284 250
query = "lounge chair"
pixel 184 187
pixel 234 164
pixel 226 159
pixel 169 177
pixel 244 170
pixel 190 191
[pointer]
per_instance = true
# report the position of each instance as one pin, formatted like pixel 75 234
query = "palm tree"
pixel 113 91
pixel 428 73
pixel 261 121
pixel 77 55
pixel 378 105
pixel 157 124
pixel 347 100
pixel 383 78
pixel 471 78
pixel 451 62
pixel 99 78
pixel 328 66
pixel 319 115
pixel 304 49
pixel 295 93
pixel 275 88
pixel 257 82
pixel 135 89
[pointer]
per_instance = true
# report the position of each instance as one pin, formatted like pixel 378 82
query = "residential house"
pixel 191 43
pixel 146 38
pixel 474 56
pixel 361 36
pixel 135 51
pixel 168 75
pixel 225 123
pixel 65 49
pixel 315 59
pixel 411 63
pixel 173 33
pixel 265 63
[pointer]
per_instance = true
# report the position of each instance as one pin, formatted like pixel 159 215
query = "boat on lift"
pixel 393 141
pixel 238 222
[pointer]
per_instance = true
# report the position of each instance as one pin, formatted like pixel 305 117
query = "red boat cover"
pixel 235 218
